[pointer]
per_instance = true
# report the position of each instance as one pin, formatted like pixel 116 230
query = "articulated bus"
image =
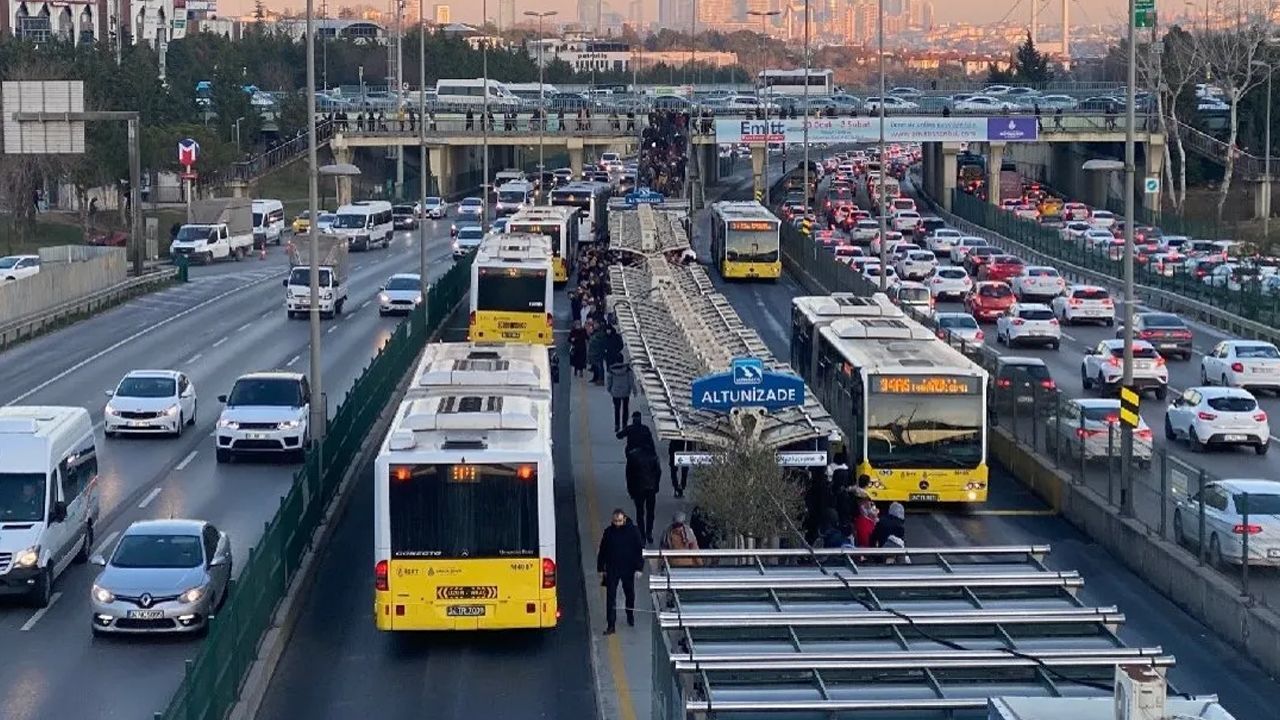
pixel 744 240
pixel 592 198
pixel 464 510
pixel 912 408
pixel 511 287
pixel 560 225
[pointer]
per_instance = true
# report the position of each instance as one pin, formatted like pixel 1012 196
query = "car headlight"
pixel 103 595
pixel 27 558
pixel 172 410
pixel 228 424
pixel 192 595
pixel 290 424
pixel 383 299
pixel 108 410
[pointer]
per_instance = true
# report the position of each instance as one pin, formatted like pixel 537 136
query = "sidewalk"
pixel 623 661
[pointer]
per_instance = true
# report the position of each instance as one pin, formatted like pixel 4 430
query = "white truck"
pixel 333 276
pixel 221 228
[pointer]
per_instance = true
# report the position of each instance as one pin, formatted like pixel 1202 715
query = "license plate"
pixel 146 614
pixel 1234 438
pixel 922 497
pixel 256 436
pixel 464 610
pixel 1168 345
pixel 510 335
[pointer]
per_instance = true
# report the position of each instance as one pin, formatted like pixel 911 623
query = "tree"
pixel 746 494
pixel 1232 56
pixel 1030 65
pixel 996 76
pixel 1170 75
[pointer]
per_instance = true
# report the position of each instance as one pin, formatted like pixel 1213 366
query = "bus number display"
pixel 752 225
pixel 924 385
pixel 463 474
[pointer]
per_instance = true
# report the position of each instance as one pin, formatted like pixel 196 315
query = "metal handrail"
pixel 1110 616
pixel 847 580
pixel 988 550
pixel 1211 148
pixel 1153 657
pixel 709 660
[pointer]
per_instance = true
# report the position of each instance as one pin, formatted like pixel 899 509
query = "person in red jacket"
pixel 865 517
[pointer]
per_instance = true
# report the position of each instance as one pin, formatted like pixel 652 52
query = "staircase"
pixel 268 161
pixel 1248 167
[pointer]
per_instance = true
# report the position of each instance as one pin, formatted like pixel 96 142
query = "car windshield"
pixel 433 201
pixel 1163 321
pixel 1034 371
pixel 302 276
pixel 953 322
pixel 275 392
pixel 1232 403
pixel 1258 503
pixel 350 221
pixel 147 387
pixel 470 233
pixel 402 210
pixel 21 497
pixel 403 283
pixel 8 262
pixel 471 202
pixel 1249 352
pixel 158 551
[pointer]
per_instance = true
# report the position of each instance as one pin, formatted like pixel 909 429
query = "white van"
pixel 49 496
pixel 268 222
pixel 364 224
pixel 513 197
pixel 472 92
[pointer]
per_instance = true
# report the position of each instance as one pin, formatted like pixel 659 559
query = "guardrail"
pixel 214 677
pixel 62 314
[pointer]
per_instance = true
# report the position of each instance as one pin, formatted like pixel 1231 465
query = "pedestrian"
pixel 596 353
pixel 679 480
pixel 636 434
pixel 471 120
pixel 613 346
pixel 577 348
pixel 679 536
pixel 620 557
pixel 644 477
pixel 621 386
pixel 865 516
pixel 890 526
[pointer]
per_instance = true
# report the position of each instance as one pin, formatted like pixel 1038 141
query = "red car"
pixel 1000 267
pixel 978 256
pixel 988 300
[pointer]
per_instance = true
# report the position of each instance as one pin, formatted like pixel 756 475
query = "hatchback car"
pixel 164 576
pixel 916 264
pixel 1085 303
pixel 1242 363
pixel 265 413
pixel 1168 334
pixel 978 256
pixel 958 327
pixel 1037 281
pixel 950 283
pixel 150 402
pixel 16 267
pixel 941 240
pixel 1103 367
pixel 401 294
pixel 1206 416
pixel 988 300
pixel 1089 429
pixel 1028 324
pixel 435 208
pixel 1225 504
pixel 467 240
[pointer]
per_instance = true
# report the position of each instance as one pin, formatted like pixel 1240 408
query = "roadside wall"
pixel 67 273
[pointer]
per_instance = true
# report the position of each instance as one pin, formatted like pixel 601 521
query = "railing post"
pixel 1202 547
pixel 1111 476
pixel 1164 493
pixel 1244 545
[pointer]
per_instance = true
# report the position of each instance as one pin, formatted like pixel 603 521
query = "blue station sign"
pixel 644 196
pixel 747 384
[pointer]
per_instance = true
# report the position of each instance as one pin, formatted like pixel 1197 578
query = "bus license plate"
pixel 506 334
pixel 923 497
pixel 464 610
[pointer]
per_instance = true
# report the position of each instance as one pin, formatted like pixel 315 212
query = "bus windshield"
pixel 918 430
pixel 463 511
pixel 511 290
pixel 751 246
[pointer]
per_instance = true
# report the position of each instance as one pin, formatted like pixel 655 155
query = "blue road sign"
pixel 747 384
pixel 644 196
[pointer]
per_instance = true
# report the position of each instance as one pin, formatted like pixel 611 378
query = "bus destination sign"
pixel 753 225
pixel 925 385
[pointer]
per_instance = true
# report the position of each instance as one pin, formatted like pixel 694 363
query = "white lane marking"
pixel 293 360
pixel 121 343
pixel 187 460
pixel 364 304
pixel 952 531
pixel 35 618
pixel 150 496
pixel 106 542
pixel 224 339
pixel 331 329
pixel 244 327
pixel 194 358
pixel 1069 337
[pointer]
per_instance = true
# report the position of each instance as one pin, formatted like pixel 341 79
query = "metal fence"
pixel 1042 418
pixel 1249 298
pixel 213 678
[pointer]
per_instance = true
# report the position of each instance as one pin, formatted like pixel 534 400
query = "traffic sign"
pixel 1144 13
pixel 747 384
pixel 1151 185
pixel 1129 407
pixel 759 196
pixel 188 152
pixel 644 196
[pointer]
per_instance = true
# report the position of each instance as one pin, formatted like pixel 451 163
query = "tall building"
pixel 589 14
pixel 506 14
pixel 675 14
pixel 442 14
pixel 635 14
pixel 714 12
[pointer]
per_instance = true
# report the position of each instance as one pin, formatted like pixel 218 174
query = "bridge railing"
pixel 1211 148
pixel 264 162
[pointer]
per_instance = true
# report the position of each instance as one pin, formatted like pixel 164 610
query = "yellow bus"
pixel 744 240
pixel 913 409
pixel 464 509
pixel 511 290
pixel 560 225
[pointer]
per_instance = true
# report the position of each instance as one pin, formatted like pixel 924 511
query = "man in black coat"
pixel 619 559
pixel 644 478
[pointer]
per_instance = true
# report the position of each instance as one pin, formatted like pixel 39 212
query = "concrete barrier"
pixel 67 273
pixel 1171 570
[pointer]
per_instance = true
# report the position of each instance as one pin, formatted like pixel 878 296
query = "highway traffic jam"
pixel 1207 398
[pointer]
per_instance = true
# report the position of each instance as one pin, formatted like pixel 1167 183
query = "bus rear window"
pixel 463 511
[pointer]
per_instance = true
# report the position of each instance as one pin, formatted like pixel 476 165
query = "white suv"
pixel 1205 416
pixel 950 283
pixel 941 240
pixel 266 413
pixel 1028 323
pixel 1103 367
pixel 1085 303
pixel 905 220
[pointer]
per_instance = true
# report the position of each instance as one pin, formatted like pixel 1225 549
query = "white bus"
pixel 364 224
pixel 560 225
pixel 464 507
pixel 791 82
pixel 592 198
pixel 512 282
pixel 472 92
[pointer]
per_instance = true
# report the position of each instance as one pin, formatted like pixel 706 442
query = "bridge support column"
pixel 710 164
pixel 440 158
pixel 576 151
pixel 995 158
pixel 757 170
pixel 1261 193
pixel 1153 166
pixel 238 188
pixel 947 182
pixel 341 156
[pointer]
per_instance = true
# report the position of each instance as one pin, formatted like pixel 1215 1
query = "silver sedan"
pixel 164 576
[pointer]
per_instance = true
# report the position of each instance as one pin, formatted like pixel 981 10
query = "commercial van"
pixel 364 224
pixel 268 222
pixel 472 92
pixel 513 197
pixel 49 497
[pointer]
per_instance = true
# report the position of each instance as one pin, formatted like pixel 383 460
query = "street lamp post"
pixel 319 413
pixel 484 118
pixel 884 203
pixel 805 115
pixel 399 80
pixel 423 286
pixel 1266 160
pixel 764 16
pixel 542 98
pixel 1126 431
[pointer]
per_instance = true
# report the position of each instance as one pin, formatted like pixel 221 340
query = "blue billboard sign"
pixel 747 384
pixel 1013 129
pixel 644 196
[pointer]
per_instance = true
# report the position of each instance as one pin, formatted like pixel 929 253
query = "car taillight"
pixel 1047 384
pixel 1053 321
pixel 380 576
pixel 548 573
pixel 1237 367
pixel 1146 334
pixel 979 335
pixel 1144 434
pixel 1003 382
pixel 1083 433
pixel 1182 333
pixel 1107 302
pixel 1114 361
pixel 1206 415
pixel 1074 302
pixel 1260 416
pixel 1242 529
pixel 1018 321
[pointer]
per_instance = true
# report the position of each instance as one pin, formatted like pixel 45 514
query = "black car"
pixel 1168 334
pixel 404 217
pixel 1022 382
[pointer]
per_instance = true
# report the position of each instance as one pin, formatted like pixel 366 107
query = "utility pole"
pixel 399 78
pixel 1126 431
pixel 805 115
pixel 319 413
pixel 542 98
pixel 764 16
pixel 484 119
pixel 884 229
pixel 423 285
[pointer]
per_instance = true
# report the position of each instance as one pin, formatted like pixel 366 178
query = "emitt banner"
pixel 867 130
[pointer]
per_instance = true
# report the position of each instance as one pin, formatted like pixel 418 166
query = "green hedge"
pixel 214 677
